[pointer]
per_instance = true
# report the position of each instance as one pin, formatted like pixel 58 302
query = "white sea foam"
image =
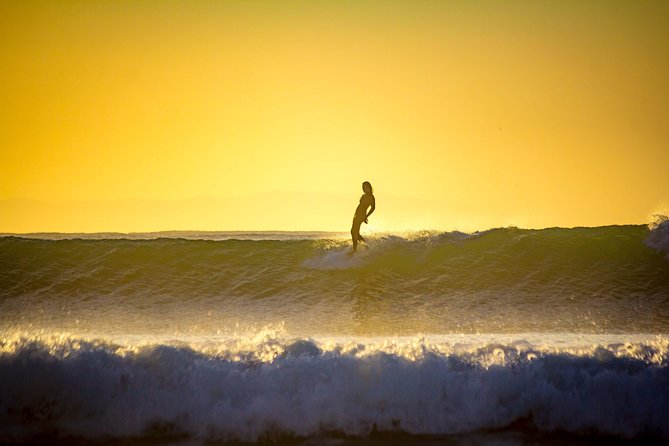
pixel 336 259
pixel 248 390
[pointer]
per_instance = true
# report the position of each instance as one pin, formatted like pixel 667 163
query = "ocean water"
pixel 506 336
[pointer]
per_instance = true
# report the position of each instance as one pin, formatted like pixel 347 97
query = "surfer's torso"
pixel 365 202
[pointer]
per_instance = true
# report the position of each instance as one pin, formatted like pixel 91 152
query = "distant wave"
pixel 96 390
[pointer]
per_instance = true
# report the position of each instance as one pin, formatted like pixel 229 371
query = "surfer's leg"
pixel 355 233
pixel 354 238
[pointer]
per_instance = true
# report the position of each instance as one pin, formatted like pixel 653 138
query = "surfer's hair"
pixel 369 185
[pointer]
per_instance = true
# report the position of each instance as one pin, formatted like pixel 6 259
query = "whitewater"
pixel 514 335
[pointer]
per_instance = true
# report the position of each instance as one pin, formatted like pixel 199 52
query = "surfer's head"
pixel 367 187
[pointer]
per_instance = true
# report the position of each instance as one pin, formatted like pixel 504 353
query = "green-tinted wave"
pixel 605 279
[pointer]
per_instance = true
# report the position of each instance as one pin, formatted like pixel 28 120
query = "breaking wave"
pixel 658 238
pixel 271 388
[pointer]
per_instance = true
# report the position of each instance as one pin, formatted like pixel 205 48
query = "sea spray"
pixel 658 238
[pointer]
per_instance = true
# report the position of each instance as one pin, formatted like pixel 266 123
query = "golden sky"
pixel 205 115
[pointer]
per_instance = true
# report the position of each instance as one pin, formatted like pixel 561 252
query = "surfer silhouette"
pixel 366 201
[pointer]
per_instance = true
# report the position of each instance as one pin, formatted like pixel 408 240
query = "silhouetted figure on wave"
pixel 361 214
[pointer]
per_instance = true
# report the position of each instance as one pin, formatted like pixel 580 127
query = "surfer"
pixel 361 214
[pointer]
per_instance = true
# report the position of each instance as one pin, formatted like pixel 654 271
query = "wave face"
pixel 271 388
pixel 586 280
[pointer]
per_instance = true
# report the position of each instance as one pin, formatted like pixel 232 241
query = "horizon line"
pixel 308 231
